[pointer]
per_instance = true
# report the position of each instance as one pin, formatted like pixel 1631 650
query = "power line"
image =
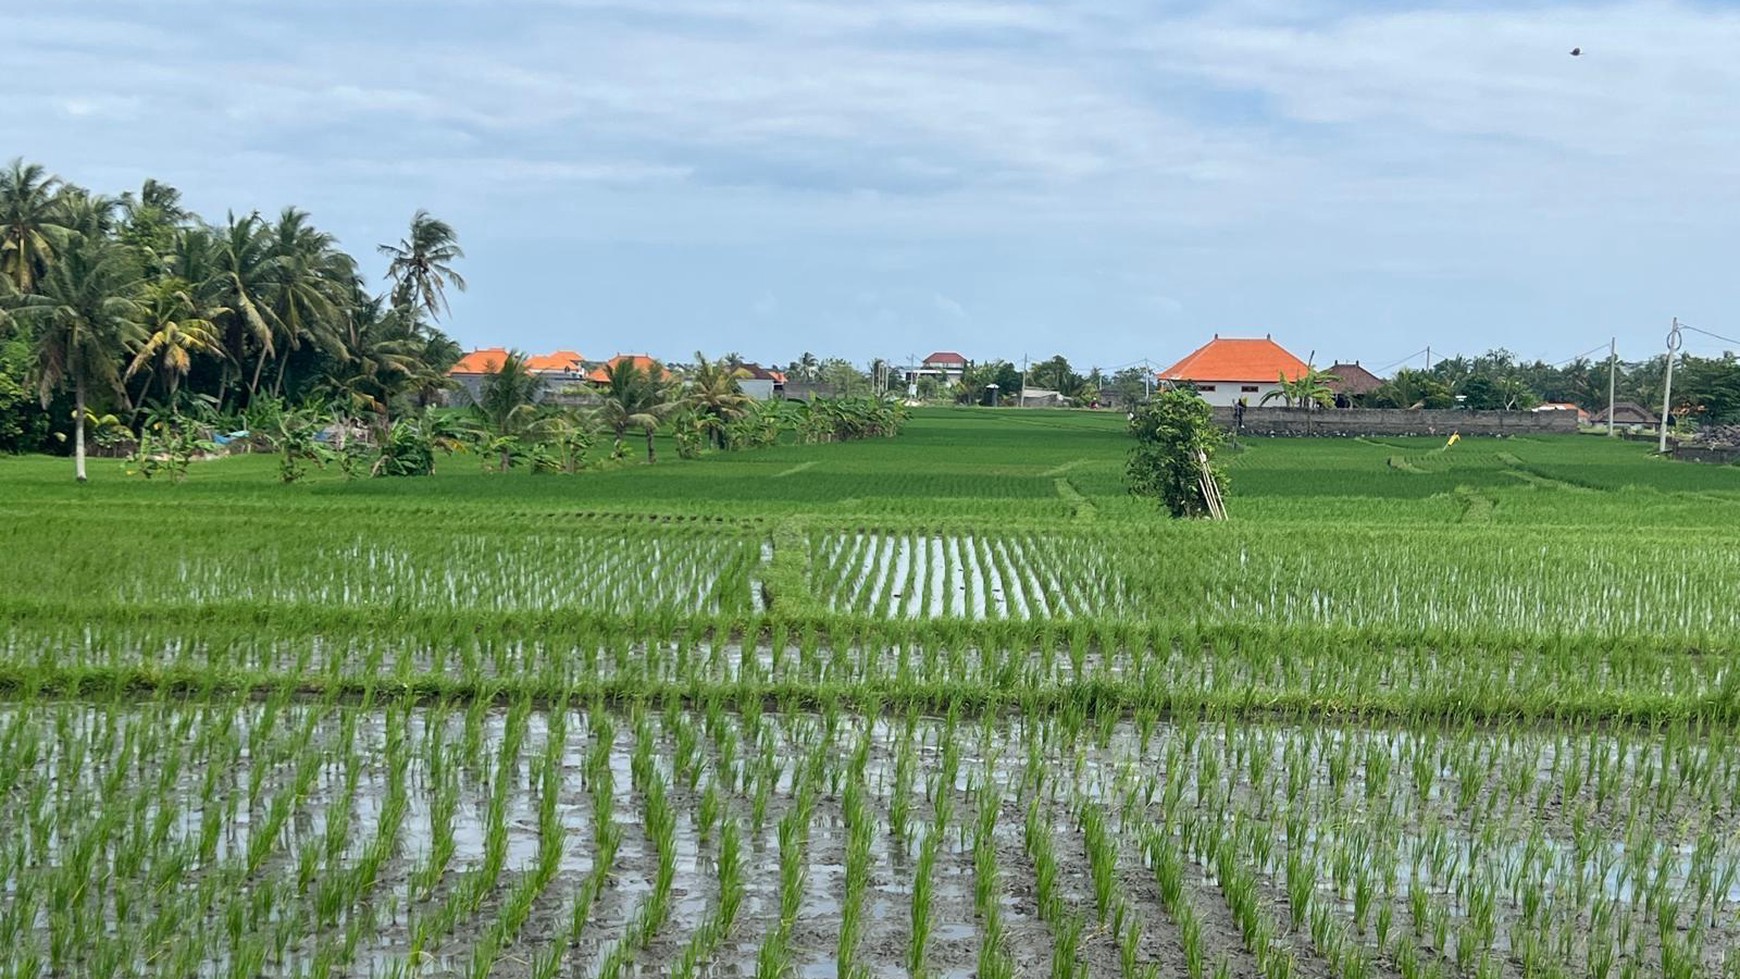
pixel 1716 336
pixel 1388 367
pixel 1591 350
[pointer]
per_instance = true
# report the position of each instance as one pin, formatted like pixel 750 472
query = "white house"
pixel 760 383
pixel 1226 370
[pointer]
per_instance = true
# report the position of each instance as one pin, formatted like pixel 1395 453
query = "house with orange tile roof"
pixel 1226 370
pixel 487 360
pixel 555 370
pixel 644 361
pixel 565 362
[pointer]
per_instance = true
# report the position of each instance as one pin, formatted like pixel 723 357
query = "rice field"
pixel 948 705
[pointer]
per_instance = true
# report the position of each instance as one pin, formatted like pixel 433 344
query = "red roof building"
pixel 643 361
pixel 946 360
pixel 1227 370
pixel 560 362
pixel 485 361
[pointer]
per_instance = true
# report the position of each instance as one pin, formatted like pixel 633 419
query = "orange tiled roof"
pixel 945 358
pixel 642 361
pixel 1236 359
pixel 561 360
pixel 485 361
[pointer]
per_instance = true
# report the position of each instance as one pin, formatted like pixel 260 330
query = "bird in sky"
pixel 1576 52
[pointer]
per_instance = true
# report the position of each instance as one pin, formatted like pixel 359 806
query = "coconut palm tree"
pixel 150 220
pixel 715 396
pixel 1309 388
pixel 31 223
pixel 506 400
pixel 241 273
pixel 307 292
pixel 635 397
pixel 174 329
pixel 85 318
pixel 422 265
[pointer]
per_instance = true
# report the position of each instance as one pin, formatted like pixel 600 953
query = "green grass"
pixel 974 526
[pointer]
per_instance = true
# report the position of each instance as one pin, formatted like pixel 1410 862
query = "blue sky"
pixel 1111 180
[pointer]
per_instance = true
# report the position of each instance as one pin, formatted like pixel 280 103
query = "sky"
pixel 1110 180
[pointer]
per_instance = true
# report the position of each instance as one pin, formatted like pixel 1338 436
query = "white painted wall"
pixel 759 389
pixel 1228 393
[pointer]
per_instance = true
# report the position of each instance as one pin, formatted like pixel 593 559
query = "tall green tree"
pixel 507 400
pixel 150 221
pixel 1174 433
pixel 85 318
pixel 309 283
pixel 242 270
pixel 32 223
pixel 715 396
pixel 421 265
pixel 635 397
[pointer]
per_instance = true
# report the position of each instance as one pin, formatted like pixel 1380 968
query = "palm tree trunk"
pixel 254 385
pixel 79 428
pixel 146 390
pixel 650 457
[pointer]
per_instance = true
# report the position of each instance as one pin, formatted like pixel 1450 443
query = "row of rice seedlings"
pixel 467 896
pixel 1065 923
pixel 860 837
pixel 995 961
pixel 716 928
pixel 347 895
pixel 659 821
pixel 696 574
pixel 606 840
pixel 1128 662
pixel 517 905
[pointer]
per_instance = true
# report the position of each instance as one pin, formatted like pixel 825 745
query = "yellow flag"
pixel 1455 437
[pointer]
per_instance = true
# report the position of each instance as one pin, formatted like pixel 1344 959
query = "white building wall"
pixel 1227 393
pixel 759 389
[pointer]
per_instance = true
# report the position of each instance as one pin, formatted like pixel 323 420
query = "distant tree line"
pixel 1704 388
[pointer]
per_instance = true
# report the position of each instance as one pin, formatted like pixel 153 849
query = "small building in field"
pixel 1351 383
pixel 1627 414
pixel 760 383
pixel 1582 415
pixel 1226 370
pixel 1032 397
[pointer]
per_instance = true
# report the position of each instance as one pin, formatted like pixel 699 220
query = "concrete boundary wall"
pixel 1333 422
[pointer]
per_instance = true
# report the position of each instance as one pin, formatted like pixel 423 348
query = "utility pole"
pixel 1667 388
pixel 1612 378
pixel 1428 358
pixel 1147 380
pixel 1023 403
